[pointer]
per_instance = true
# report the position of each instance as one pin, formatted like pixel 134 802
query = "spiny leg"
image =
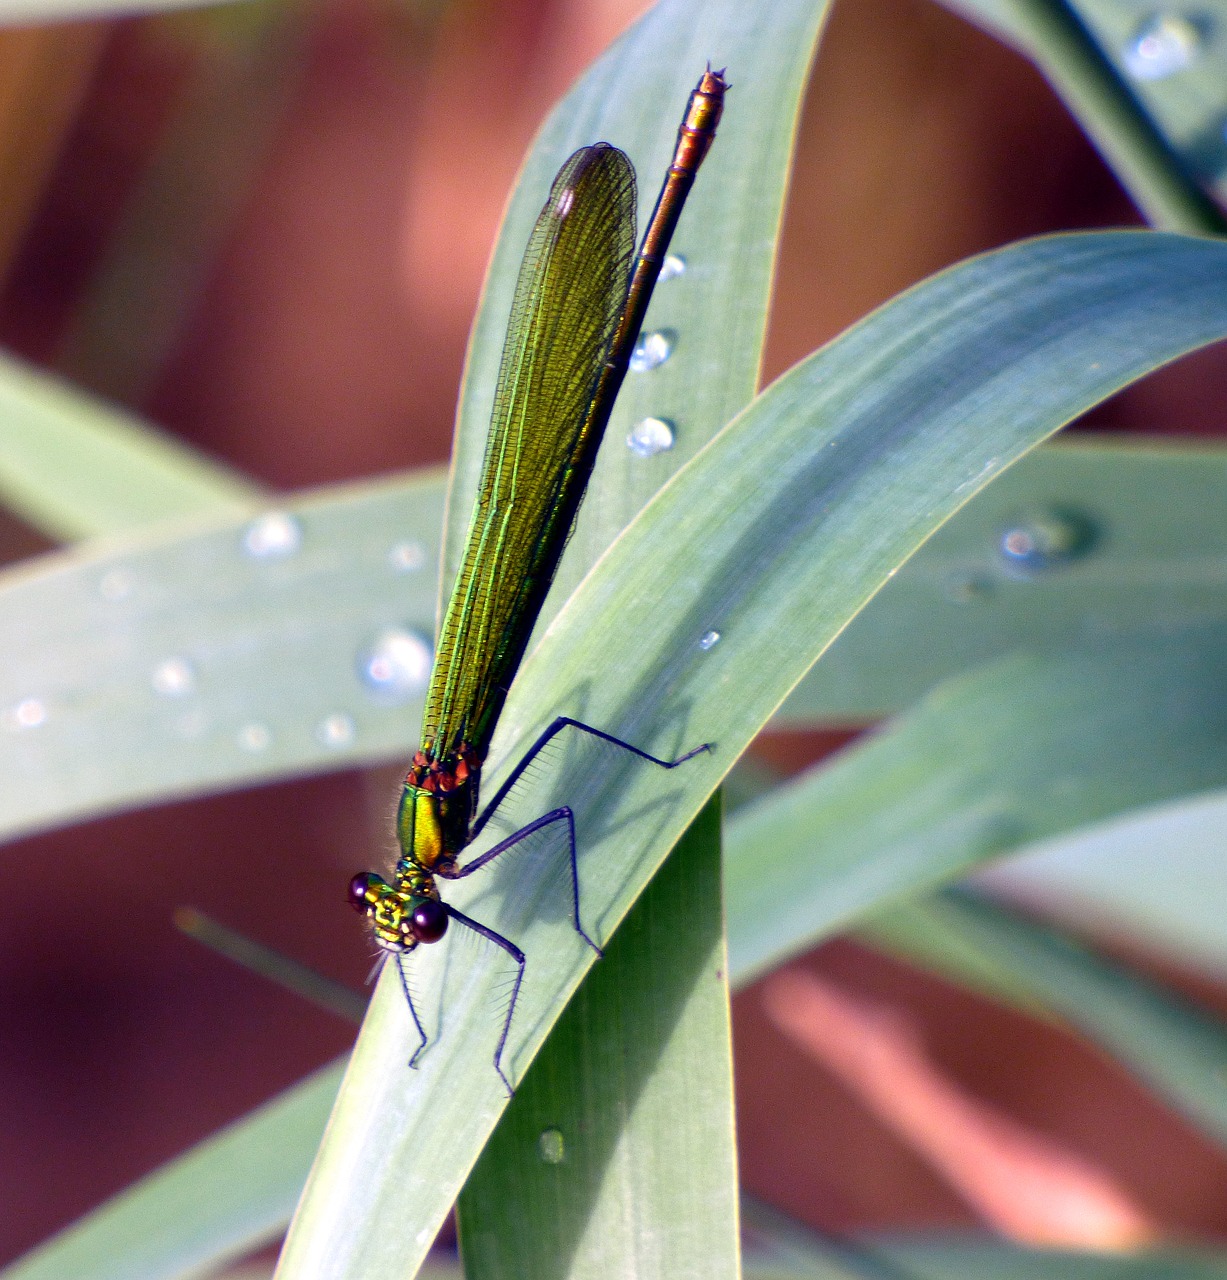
pixel 518 956
pixel 562 814
pixel 413 1013
pixel 555 728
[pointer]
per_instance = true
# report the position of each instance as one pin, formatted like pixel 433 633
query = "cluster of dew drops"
pixel 654 435
pixel 395 664
pixel 392 666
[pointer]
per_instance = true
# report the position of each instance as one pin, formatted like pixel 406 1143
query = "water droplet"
pixel 174 678
pixel 1046 541
pixel 396 665
pixel 673 266
pixel 337 730
pixel 552 1146
pixel 709 640
pixel 254 737
pixel 652 350
pixel 1164 44
pixel 115 584
pixel 274 535
pixel 650 436
pixel 407 557
pixel 29 713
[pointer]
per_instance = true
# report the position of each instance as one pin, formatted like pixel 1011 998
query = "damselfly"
pixel 578 307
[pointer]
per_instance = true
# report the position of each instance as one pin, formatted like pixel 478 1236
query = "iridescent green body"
pixel 543 442
pixel 575 315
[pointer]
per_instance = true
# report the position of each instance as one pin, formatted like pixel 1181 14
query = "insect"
pixel 577 310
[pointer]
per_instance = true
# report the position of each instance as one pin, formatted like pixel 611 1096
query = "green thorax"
pixel 437 807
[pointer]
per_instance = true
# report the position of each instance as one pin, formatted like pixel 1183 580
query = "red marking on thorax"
pixel 437 776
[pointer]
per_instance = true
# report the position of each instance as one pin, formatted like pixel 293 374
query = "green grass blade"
pixel 986 1259
pixel 76 468
pixel 913 931
pixel 727 237
pixel 175 662
pixel 1030 747
pixel 616 1156
pixel 1160 876
pixel 1178 1050
pixel 198 1211
pixel 774 536
pixel 993 1260
pixel 633 97
pixel 1159 555
pixel 1137 130
pixel 1155 548
pixel 1182 1055
pixel 784 1246
pixel 677 928
pixel 791 1250
pixel 1038 693
pixel 918 1260
pixel 1186 105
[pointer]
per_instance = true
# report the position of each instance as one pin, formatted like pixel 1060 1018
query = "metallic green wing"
pixel 568 301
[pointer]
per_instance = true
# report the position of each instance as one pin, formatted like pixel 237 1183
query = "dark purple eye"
pixel 429 920
pixel 358 888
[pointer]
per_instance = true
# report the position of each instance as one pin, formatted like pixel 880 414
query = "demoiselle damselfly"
pixel 578 307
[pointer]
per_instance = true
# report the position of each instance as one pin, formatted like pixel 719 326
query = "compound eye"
pixel 429 920
pixel 359 887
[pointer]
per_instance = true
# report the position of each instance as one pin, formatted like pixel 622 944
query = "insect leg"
pixel 518 956
pixel 561 723
pixel 413 1013
pixel 562 814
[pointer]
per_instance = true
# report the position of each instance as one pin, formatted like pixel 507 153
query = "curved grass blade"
pixel 1153 874
pixel 1142 149
pixel 1032 746
pixel 174 662
pixel 728 274
pixel 223 1198
pixel 196 596
pixel 1157 876
pixel 793 1253
pixel 368 551
pixel 715 311
pixel 1186 108
pixel 616 1155
pixel 195 1228
pixel 790 521
pixel 1146 539
pixel 75 468
pixel 1175 1048
pixel 1017 696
